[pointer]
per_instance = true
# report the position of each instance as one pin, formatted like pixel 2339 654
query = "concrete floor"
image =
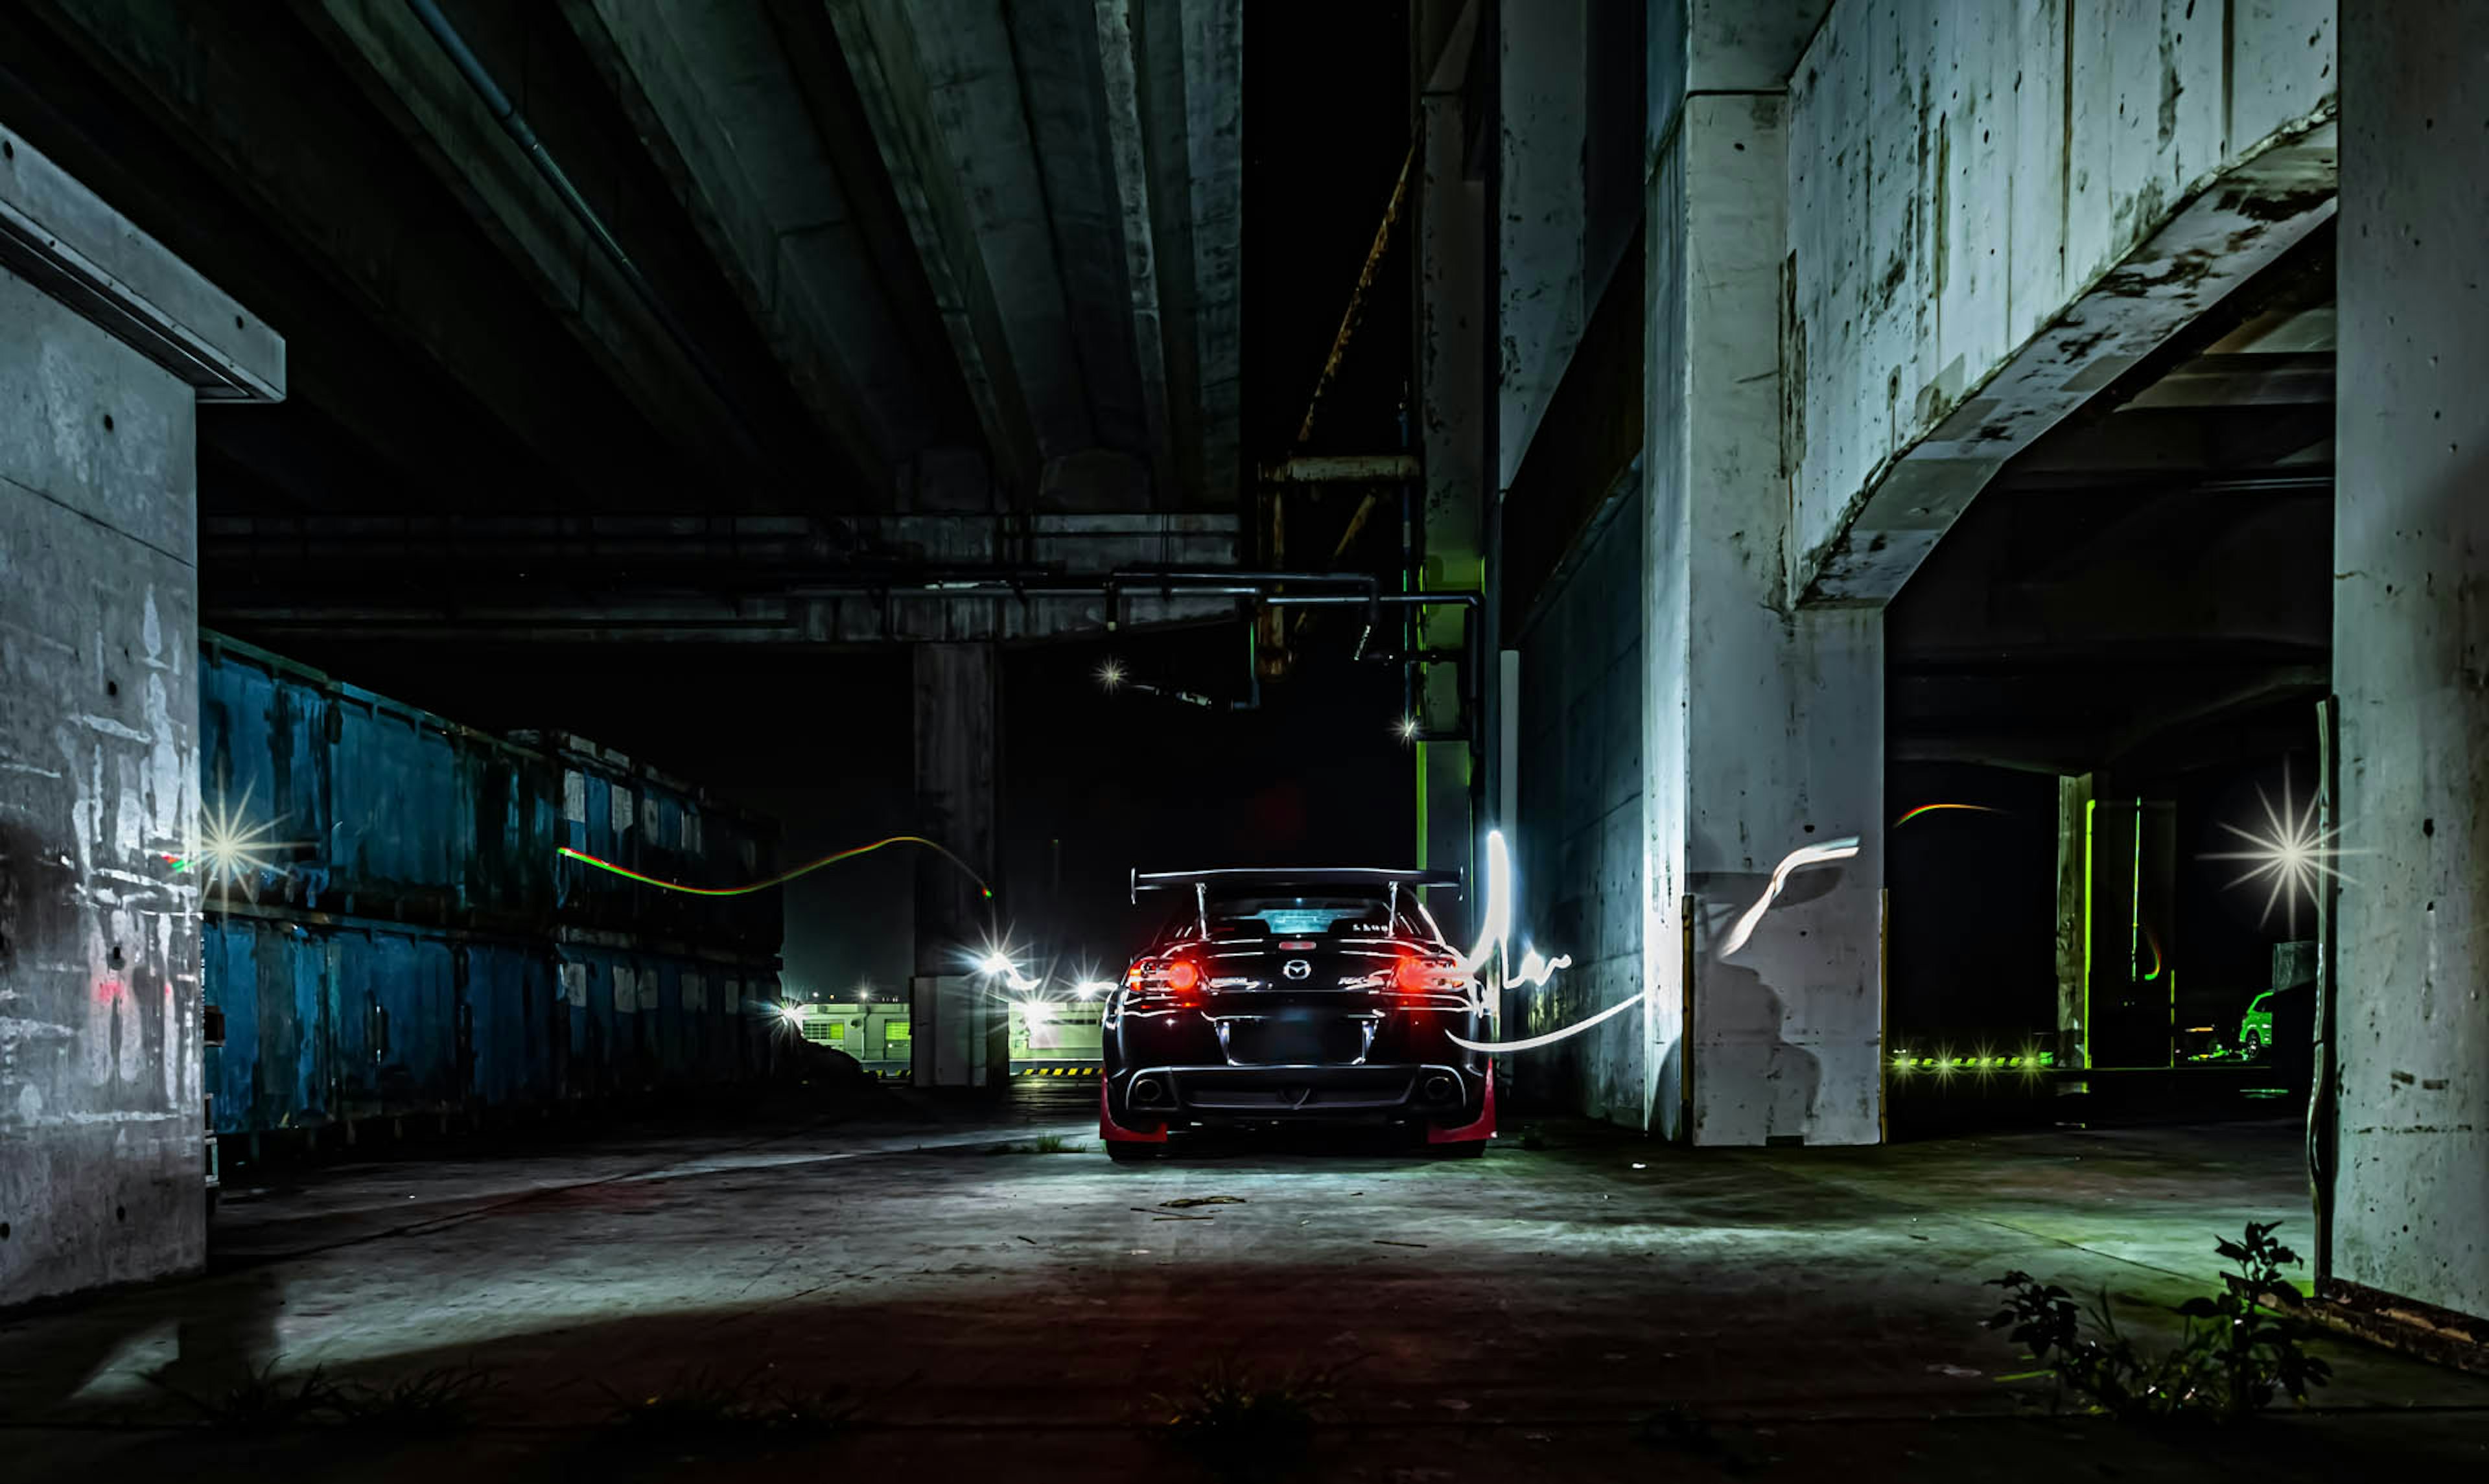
pixel 1513 1317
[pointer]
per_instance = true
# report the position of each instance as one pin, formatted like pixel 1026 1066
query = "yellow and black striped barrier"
pixel 1064 1070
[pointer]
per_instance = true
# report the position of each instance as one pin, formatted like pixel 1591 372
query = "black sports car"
pixel 1295 995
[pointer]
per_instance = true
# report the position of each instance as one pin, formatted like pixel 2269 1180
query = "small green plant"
pixel 1240 1425
pixel 1051 1144
pixel 2240 1348
pixel 438 1401
pixel 700 1407
pixel 262 1401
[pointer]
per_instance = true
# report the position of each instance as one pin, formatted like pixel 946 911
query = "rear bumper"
pixel 1454 1102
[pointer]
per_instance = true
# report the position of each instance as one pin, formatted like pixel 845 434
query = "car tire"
pixel 2253 1045
pixel 1132 1154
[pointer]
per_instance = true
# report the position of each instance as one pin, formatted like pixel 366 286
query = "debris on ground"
pixel 1386 1242
pixel 1182 1201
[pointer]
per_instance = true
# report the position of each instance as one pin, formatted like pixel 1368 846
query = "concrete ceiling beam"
pixel 715 97
pixel 1197 97
pixel 807 622
pixel 321 231
pixel 1128 143
pixel 403 71
pixel 886 66
pixel 976 97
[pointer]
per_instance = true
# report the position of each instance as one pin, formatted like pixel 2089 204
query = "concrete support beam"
pixel 237 90
pixel 959 783
pixel 2073 921
pixel 715 93
pixel 2410 651
pixel 1448 234
pixel 1120 71
pixel 407 78
pixel 1539 204
pixel 889 71
pixel 1996 210
pixel 1762 722
pixel 104 341
pixel 1210 63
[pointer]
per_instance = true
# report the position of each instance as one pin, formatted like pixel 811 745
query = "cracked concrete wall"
pixel 2411 657
pixel 1960 172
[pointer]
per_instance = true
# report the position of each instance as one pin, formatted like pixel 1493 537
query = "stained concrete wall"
pixel 1960 172
pixel 1579 842
pixel 2410 655
pixel 105 341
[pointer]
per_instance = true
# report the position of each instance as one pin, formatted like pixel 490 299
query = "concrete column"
pixel 1450 218
pixel 105 342
pixel 2074 922
pixel 1540 196
pixel 1763 721
pixel 958 750
pixel 2411 656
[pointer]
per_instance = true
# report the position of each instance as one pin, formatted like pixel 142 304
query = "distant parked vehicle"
pixel 2255 1027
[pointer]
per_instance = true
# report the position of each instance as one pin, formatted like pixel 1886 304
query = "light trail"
pixel 1532 1043
pixel 1794 862
pixel 784 877
pixel 1926 808
pixel 1494 926
pixel 1537 969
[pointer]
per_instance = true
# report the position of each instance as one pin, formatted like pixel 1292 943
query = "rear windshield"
pixel 1333 915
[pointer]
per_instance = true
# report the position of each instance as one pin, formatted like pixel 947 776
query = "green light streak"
pixel 784 877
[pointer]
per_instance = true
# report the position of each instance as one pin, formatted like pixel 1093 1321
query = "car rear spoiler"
pixel 1289 875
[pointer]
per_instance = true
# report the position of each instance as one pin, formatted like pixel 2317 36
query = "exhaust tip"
pixel 1148 1091
pixel 1441 1086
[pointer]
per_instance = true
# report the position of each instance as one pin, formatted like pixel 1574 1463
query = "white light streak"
pixel 1495 928
pixel 1537 969
pixel 1406 729
pixel 1551 1037
pixel 2292 853
pixel 1794 862
pixel 1091 988
pixel 1110 674
pixel 998 964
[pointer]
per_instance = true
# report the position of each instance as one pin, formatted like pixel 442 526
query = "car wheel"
pixel 2254 1046
pixel 1132 1154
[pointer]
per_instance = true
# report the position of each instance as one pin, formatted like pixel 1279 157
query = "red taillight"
pixel 1161 980
pixel 1413 975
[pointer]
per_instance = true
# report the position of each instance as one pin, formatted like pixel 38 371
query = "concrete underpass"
pixel 1458 738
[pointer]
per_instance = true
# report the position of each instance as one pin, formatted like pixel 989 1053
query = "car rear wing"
pixel 1199 882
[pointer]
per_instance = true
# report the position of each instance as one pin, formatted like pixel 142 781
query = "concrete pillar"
pixel 1449 236
pixel 1763 721
pixel 2073 921
pixel 1540 197
pixel 959 751
pixel 106 341
pixel 2411 656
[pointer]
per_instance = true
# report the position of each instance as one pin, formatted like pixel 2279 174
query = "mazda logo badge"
pixel 1298 968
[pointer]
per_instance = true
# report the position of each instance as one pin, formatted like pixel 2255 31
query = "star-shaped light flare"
pixel 232 850
pixel 2289 853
